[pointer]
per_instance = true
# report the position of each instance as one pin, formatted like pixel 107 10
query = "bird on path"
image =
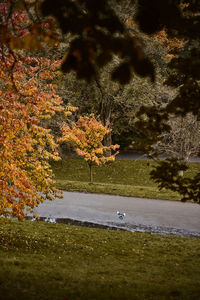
pixel 121 215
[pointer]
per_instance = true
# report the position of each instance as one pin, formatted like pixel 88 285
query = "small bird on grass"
pixel 50 220
pixel 121 215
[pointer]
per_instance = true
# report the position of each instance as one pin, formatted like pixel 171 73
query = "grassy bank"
pixel 123 177
pixel 55 261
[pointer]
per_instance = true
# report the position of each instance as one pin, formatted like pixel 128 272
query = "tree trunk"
pixel 107 141
pixel 91 177
pixel 181 173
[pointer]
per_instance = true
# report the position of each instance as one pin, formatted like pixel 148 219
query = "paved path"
pixel 140 156
pixel 141 214
pixel 136 156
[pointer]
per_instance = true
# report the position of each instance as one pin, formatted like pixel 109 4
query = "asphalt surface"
pixel 141 156
pixel 144 215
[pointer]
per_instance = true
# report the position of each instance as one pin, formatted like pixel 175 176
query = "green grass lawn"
pixel 123 177
pixel 55 261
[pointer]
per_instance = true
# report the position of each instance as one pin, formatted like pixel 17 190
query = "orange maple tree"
pixel 22 27
pixel 86 135
pixel 26 98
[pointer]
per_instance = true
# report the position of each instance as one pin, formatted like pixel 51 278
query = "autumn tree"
pixel 26 147
pixel 87 135
pixel 97 33
pixel 27 98
pixel 23 27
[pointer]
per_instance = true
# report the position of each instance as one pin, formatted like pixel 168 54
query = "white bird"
pixel 121 215
pixel 50 220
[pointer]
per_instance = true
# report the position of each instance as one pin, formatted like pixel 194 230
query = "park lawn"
pixel 56 262
pixel 122 177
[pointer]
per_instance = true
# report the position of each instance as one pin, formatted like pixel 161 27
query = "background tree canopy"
pixel 100 35
pixel 97 32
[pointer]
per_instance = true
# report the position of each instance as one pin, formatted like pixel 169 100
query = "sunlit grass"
pixel 117 189
pixel 123 177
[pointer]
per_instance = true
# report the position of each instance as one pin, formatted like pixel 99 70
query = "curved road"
pixel 141 156
pixel 155 216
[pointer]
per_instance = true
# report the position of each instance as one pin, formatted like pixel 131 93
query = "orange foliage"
pixel 87 136
pixel 170 43
pixel 20 27
pixel 26 147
